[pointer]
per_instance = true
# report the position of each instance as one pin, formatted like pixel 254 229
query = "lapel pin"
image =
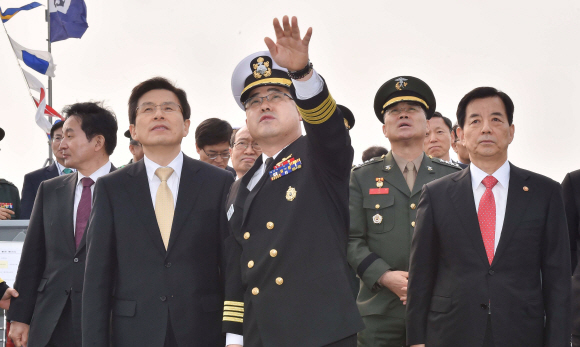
pixel 388 167
pixel 429 168
pixel 377 218
pixel 526 188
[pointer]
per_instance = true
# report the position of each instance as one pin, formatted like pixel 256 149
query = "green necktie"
pixel 67 171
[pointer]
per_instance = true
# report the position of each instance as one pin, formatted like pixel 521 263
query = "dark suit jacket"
pixel 51 269
pixel 571 190
pixel 130 273
pixel 32 181
pixel 451 281
pixel 304 296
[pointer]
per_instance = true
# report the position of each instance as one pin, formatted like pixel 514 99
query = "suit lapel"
pixel 83 242
pixel 50 172
pixel 65 195
pixel 137 186
pixel 394 176
pixel 252 194
pixel 190 186
pixel 462 197
pixel 517 202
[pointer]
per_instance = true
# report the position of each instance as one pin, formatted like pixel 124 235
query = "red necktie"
pixel 83 210
pixel 486 216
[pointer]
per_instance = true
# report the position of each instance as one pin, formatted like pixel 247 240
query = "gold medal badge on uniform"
pixel 284 167
pixel 291 194
pixel 379 189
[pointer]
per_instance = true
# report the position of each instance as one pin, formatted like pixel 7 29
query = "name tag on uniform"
pixel 375 191
pixel 230 211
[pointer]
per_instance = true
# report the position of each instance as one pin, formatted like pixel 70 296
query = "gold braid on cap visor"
pixel 404 98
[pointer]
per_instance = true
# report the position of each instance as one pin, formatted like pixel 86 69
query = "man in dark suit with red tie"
pixel 490 257
pixel 155 238
pixel 51 270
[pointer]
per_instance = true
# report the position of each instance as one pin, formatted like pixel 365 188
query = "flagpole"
pixel 49 161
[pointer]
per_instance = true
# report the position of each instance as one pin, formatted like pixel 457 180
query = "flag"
pixel 68 18
pixel 11 12
pixel 35 84
pixel 40 61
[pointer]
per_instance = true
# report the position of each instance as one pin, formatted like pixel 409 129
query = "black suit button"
pixel 483 306
pixel 76 260
pixel 491 272
pixel 163 298
pixel 168 265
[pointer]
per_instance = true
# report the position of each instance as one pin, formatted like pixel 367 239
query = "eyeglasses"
pixel 213 155
pixel 166 107
pixel 409 110
pixel 243 145
pixel 273 98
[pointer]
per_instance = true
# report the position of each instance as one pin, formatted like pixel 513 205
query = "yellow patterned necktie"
pixel 164 204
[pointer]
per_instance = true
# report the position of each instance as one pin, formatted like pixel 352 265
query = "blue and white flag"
pixel 40 61
pixel 11 12
pixel 68 18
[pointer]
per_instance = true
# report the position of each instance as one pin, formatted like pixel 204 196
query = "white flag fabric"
pixel 35 84
pixel 40 61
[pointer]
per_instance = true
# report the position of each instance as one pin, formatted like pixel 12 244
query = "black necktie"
pixel 267 164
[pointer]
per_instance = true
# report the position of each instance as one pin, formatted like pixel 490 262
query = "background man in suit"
pixel 154 243
pixel 287 275
pixel 490 257
pixel 244 151
pixel 438 139
pixel 384 193
pixel 51 270
pixel 571 191
pixel 212 142
pixel 33 179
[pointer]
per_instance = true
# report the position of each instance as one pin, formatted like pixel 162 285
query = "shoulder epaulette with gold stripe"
pixel 321 113
pixel 234 311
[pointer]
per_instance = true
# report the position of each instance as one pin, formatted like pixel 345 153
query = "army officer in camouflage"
pixel 384 193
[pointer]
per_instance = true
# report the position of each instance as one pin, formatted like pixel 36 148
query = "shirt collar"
pixel 102 171
pixel 502 175
pixel 59 167
pixel 151 166
pixel 265 156
pixel 402 162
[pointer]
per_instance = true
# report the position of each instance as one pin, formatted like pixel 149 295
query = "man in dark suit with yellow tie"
pixel 154 246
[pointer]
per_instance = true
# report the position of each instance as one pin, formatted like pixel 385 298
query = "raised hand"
pixel 289 50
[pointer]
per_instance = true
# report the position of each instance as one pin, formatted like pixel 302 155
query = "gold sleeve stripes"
pixel 234 311
pixel 319 114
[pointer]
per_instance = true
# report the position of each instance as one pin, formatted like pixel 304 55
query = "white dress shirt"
pixel 102 171
pixel 304 90
pixel 500 193
pixel 172 181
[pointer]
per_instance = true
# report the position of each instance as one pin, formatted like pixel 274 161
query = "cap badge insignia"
pixel 291 194
pixel 262 68
pixel 401 83
pixel 377 219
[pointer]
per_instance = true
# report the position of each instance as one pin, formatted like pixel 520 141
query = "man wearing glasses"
pixel 212 142
pixel 287 278
pixel 155 240
pixel 244 151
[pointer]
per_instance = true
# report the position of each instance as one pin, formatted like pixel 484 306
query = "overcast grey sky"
pixel 529 49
